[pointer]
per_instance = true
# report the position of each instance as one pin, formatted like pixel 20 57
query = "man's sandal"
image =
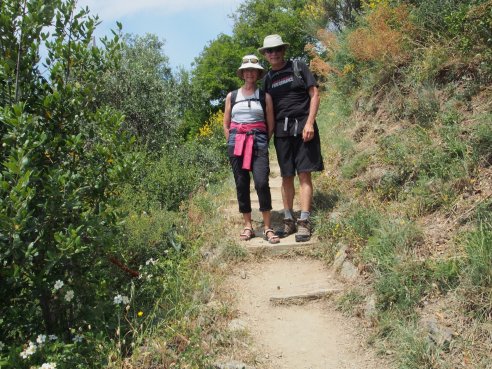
pixel 270 236
pixel 247 234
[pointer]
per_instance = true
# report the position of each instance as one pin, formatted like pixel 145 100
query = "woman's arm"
pixel 227 116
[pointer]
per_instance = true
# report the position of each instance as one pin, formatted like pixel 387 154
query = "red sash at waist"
pixel 245 140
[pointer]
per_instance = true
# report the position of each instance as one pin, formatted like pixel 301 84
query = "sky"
pixel 186 26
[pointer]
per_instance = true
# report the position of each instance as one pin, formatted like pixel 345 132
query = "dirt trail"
pixel 278 304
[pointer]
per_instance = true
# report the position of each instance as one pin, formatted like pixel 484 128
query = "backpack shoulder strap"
pixel 261 97
pixel 233 98
pixel 267 83
pixel 297 71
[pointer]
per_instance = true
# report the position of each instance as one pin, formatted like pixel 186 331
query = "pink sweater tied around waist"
pixel 245 140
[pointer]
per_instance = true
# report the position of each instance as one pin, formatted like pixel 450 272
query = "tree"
pixel 256 19
pixel 335 15
pixel 61 165
pixel 142 87
pixel 212 78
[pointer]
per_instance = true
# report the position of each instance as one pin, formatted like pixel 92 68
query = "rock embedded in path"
pixel 340 257
pixel 438 333
pixel 302 297
pixel 232 365
pixel 236 325
pixel 349 271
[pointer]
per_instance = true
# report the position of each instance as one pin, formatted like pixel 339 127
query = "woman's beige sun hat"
pixel 272 41
pixel 250 62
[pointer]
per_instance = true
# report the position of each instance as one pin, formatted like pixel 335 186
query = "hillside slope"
pixel 408 190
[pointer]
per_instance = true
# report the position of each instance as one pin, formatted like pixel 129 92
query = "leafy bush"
pixel 433 15
pixel 167 181
pixel 62 166
pixel 143 88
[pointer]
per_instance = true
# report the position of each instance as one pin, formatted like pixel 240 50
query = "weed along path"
pixel 284 305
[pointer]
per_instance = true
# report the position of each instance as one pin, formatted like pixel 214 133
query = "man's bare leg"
pixel 306 191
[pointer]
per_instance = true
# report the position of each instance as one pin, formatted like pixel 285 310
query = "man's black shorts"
pixel 296 156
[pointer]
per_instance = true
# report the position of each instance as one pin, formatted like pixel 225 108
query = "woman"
pixel 248 126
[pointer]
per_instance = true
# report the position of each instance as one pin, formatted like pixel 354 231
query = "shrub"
pixel 62 168
pixel 166 181
pixel 384 36
pixel 434 15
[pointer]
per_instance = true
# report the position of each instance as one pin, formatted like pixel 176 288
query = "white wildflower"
pixel 58 284
pixel 77 338
pixel 52 337
pixel 30 350
pixel 48 366
pixel 117 299
pixel 125 300
pixel 41 339
pixel 151 261
pixel 69 295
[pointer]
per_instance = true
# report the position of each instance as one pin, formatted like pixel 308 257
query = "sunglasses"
pixel 250 60
pixel 274 49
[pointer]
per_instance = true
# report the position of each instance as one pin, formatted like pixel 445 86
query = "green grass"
pixel 364 221
pixel 355 165
pixel 481 140
pixel 391 243
pixel 350 301
pixel 233 252
pixel 478 270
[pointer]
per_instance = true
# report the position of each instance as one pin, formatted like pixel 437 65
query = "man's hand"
pixel 308 132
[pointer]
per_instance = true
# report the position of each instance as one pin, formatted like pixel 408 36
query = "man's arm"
pixel 308 131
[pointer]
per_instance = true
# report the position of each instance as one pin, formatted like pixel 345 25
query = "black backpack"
pixel 261 99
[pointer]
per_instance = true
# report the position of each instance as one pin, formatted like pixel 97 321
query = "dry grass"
pixel 384 37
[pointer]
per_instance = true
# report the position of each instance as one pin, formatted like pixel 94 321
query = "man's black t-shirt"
pixel 290 97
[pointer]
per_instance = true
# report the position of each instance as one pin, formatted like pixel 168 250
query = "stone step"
pixel 309 294
pixel 258 245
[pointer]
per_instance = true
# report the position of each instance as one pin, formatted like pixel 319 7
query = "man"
pixel 296 101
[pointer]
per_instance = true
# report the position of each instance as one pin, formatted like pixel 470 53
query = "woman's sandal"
pixel 247 234
pixel 270 236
